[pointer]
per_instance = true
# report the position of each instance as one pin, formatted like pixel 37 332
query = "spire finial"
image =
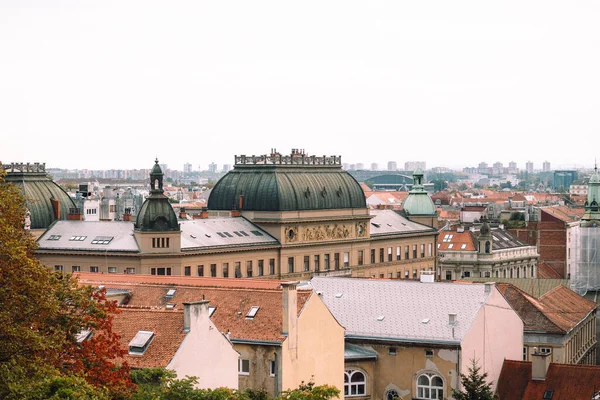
pixel 156 160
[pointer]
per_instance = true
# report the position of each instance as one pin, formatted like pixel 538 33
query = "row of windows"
pixel 403 274
pixel 390 255
pixel 158 243
pixel 237 269
pixel 516 272
pixel 111 270
pixel 429 386
pixel 329 262
pixel 244 367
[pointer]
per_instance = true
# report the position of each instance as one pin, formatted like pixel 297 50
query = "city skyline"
pixel 106 83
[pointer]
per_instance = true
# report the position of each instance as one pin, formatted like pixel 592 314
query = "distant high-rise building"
pixel 163 167
pixel 414 165
pixel 226 167
pixel 529 167
pixel 482 165
pixel 212 167
pixel 374 167
pixel 564 179
pixel 498 165
pixel 392 166
pixel 187 168
pixel 546 166
pixel 512 167
pixel 360 166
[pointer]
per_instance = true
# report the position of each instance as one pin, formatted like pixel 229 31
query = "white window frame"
pixel 427 391
pixel 272 367
pixel 241 366
pixel 358 385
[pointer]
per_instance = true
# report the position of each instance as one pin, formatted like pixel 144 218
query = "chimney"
pixel 127 217
pixel 235 213
pixel 539 365
pixel 204 213
pixel 56 208
pixel 290 312
pixel 192 312
pixel 74 214
pixel 182 213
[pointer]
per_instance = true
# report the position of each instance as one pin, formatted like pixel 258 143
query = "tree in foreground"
pixel 474 385
pixel 41 316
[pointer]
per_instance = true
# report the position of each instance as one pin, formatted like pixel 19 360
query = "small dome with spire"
pixel 418 202
pixel 156 213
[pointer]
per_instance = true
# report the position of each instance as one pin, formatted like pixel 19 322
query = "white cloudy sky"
pixel 112 84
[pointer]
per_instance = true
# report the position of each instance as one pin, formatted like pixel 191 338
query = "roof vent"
pixel 425 321
pixel 338 295
pixel 139 344
pixel 380 318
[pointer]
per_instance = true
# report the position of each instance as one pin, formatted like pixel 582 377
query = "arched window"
pixel 355 383
pixel 391 395
pixel 430 386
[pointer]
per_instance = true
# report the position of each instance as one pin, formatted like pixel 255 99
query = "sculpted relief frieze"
pixel 294 234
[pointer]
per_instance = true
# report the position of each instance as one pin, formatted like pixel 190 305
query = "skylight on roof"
pixel 83 335
pixel 211 310
pixel 244 233
pixel 237 233
pixel 170 306
pixel 221 234
pixel 77 238
pixel 376 225
pixel 228 234
pixel 140 342
pixel 252 313
pixel 170 293
pixel 256 233
pixel 451 245
pixel 463 246
pixel 54 237
pixel 102 239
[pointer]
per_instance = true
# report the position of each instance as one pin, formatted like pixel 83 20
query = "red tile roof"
pixel 168 334
pixel 569 382
pixel 546 272
pixel 557 311
pixel 457 241
pixel 233 303
pixel 564 213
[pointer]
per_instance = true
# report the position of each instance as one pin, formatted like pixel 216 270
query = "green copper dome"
pixel 43 197
pixel 156 213
pixel 286 183
pixel 418 202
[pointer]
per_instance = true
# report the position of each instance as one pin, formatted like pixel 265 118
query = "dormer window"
pixel 139 344
pixel 211 310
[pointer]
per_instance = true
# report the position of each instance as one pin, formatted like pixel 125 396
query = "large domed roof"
pixel 39 191
pixel 286 183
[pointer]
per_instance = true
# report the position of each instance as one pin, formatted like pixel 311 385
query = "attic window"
pixel 244 233
pixel 376 225
pixel 237 233
pixel 139 344
pixel 548 394
pixel 429 353
pixel 170 306
pixel 77 238
pixel 171 293
pixel 257 233
pixel 463 246
pixel 221 234
pixel 228 234
pixel 451 245
pixel 102 239
pixel 83 335
pixel 252 313
pixel 54 237
pixel 211 310
pixel 447 238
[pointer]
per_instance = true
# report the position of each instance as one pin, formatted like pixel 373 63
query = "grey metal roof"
pixel 503 239
pixel 356 352
pixel 121 233
pixel 401 310
pixel 388 222
pixel 221 232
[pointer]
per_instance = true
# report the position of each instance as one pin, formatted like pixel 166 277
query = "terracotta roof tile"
pixel 168 334
pixel 569 382
pixel 564 213
pixel 546 272
pixel 457 240
pixel 233 303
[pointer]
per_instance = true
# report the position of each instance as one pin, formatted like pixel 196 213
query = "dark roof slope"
pixel 286 188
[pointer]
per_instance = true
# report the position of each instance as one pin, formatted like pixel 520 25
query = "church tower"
pixel 591 217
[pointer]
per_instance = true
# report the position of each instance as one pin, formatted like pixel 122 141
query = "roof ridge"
pixel 536 303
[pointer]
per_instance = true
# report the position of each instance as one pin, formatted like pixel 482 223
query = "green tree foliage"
pixel 474 385
pixel 41 314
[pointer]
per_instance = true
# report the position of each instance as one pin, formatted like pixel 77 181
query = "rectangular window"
pixel 414 274
pixel 390 275
pixel 213 270
pixel 422 251
pixel 225 270
pixel 317 262
pixel 153 243
pixel 162 242
pixel 167 242
pixel 272 368
pixel 306 263
pixel 76 268
pixel 390 254
pixel 130 271
pixel 261 267
pixel 93 269
pixel 249 269
pixel 448 275
pixel 381 276
pixel 406 274
pixel 290 264
pixel 545 350
pixel 152 271
pixel 524 353
pixel 414 251
pixel 336 260
pixel 381 257
pixel 346 259
pixel 243 367
pixel 187 271
pixel 406 252
pixel 326 261
pixel 398 275
pixel 398 253
pixel 271 266
pixel 200 270
pixel 372 256
pixel 467 274
pixel 238 269
pixel 112 270
pixel 160 271
pixel 429 249
pixel 169 271
pixel 58 267
pixel 361 257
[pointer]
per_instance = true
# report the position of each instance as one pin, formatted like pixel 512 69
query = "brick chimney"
pixel 56 208
pixel 127 217
pixel 204 213
pixel 192 313
pixel 74 215
pixel 182 213
pixel 290 312
pixel 539 365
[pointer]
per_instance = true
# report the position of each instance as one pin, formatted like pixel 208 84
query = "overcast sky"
pixel 114 84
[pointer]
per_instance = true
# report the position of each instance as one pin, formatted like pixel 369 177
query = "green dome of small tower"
pixel 418 202
pixel 156 213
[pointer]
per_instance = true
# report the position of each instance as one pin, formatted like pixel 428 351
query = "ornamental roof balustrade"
pixel 294 159
pixel 24 167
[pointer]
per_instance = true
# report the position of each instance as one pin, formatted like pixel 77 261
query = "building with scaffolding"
pixel 585 265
